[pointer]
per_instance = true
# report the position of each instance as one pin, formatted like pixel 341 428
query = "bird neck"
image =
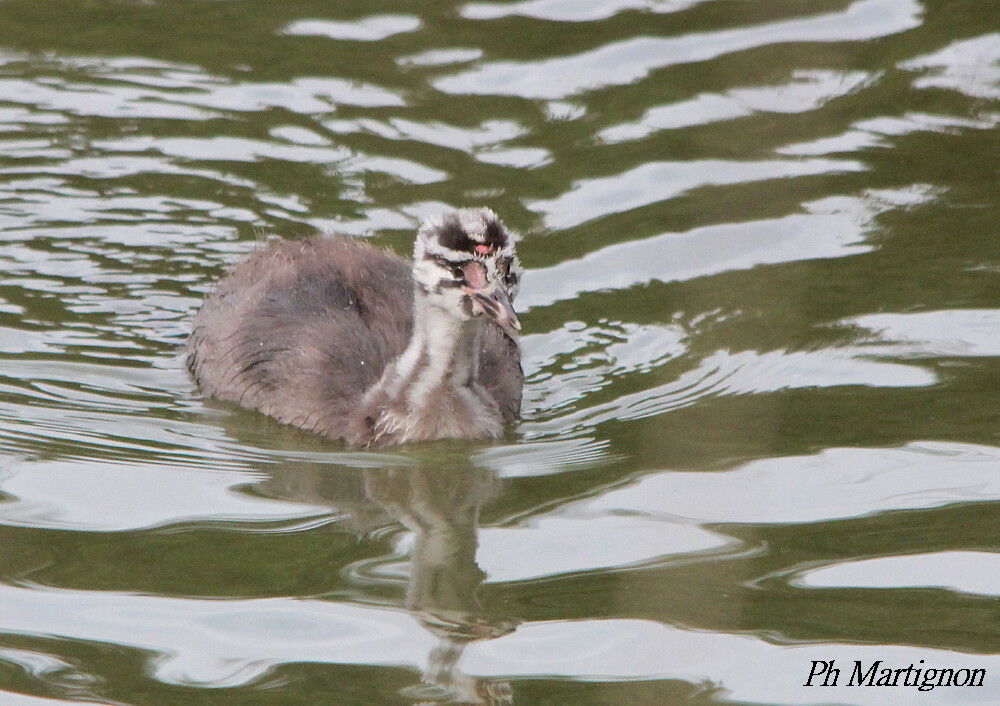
pixel 443 350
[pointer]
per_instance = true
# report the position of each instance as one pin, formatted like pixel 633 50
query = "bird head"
pixel 464 262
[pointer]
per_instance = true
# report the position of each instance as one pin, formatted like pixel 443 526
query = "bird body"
pixel 344 340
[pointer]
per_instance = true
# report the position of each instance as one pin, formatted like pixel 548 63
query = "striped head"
pixel 464 263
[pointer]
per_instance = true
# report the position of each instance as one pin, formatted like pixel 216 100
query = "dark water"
pixel 762 315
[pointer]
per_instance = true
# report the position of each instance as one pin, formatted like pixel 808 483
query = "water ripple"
pixel 759 343
pixel 624 62
pixel 965 572
pixel 367 29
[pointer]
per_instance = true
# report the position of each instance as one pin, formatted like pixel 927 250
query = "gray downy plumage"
pixel 320 334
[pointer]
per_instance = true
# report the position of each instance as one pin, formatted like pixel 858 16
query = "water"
pixel 761 314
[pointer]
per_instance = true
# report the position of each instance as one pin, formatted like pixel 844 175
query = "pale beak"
pixel 496 305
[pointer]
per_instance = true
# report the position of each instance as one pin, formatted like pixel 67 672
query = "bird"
pixel 349 341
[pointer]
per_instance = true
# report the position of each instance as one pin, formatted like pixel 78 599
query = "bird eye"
pixel 457 269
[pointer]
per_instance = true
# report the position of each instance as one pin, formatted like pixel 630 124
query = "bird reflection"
pixel 440 506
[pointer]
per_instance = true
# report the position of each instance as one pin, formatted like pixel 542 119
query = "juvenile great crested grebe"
pixel 346 340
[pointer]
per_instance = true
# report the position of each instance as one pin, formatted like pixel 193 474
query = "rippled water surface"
pixel 762 344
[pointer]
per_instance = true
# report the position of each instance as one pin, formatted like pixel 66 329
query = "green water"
pixel 762 347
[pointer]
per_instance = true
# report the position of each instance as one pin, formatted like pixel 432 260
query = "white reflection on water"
pixel 832 227
pixel 570 10
pixel 81 99
pixel 521 157
pixel 219 643
pixel 366 29
pixel 872 132
pixel 108 496
pixel 970 66
pixel 832 484
pixel 53 672
pixel 209 149
pixel 748 668
pixel 575 540
pixel 574 360
pixel 114 166
pixel 538 458
pixel 488 134
pixel 37 204
pixel 965 572
pixel 37 664
pixel 657 517
pixel 440 57
pixel 731 373
pixel 808 90
pixel 125 87
pixel 297 135
pixel 14 119
pixel 632 59
pixel 229 643
pixel 9 698
pixel 955 332
pixel 552 545
pixel 246 150
pixel 652 182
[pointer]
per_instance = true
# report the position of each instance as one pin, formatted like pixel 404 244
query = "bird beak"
pixel 496 305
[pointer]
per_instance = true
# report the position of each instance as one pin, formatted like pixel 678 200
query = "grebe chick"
pixel 351 342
